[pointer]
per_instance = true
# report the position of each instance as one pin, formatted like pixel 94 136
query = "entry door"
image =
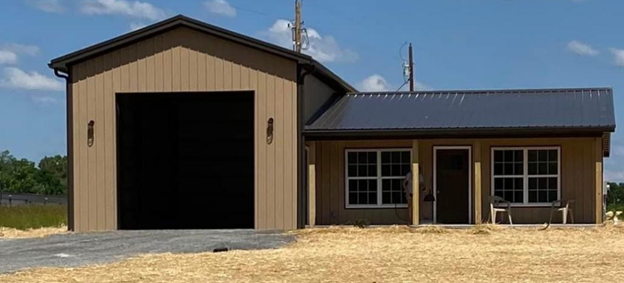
pixel 452 185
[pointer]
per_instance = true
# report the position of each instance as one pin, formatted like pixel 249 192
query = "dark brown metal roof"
pixel 488 111
pixel 62 63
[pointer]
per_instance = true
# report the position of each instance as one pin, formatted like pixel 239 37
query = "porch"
pixel 351 181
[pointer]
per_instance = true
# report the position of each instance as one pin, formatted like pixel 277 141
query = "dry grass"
pixel 31 233
pixel 396 254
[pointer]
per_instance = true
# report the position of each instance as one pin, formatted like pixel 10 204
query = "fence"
pixel 25 199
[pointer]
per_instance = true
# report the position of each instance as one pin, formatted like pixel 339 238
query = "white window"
pixel 526 176
pixel 374 177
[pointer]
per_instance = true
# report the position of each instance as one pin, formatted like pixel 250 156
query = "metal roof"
pixel 581 109
pixel 62 63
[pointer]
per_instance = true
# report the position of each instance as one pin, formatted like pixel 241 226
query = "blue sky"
pixel 458 44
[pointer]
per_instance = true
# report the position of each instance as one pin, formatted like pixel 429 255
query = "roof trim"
pixel 62 63
pixel 461 132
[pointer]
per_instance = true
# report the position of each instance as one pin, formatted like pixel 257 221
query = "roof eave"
pixel 461 132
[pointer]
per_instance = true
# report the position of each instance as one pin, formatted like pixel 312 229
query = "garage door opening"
pixel 185 160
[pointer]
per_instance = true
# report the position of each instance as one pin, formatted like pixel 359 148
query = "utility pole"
pixel 297 31
pixel 411 69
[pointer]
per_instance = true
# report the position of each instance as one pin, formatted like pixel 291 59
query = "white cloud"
pixel 322 48
pixel 9 52
pixel 618 56
pixel 373 83
pixel 377 82
pixel 135 9
pixel 44 99
pixel 7 57
pixel 582 49
pixel 15 78
pixel 48 6
pixel 220 7
pixel 31 50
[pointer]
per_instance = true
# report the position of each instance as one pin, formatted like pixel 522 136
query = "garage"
pixel 185 160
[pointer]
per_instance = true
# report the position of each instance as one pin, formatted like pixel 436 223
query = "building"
pixel 184 125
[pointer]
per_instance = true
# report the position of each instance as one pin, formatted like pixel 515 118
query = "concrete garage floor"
pixel 70 250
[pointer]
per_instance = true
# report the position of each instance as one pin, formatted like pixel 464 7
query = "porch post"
pixel 477 182
pixel 415 184
pixel 599 184
pixel 312 184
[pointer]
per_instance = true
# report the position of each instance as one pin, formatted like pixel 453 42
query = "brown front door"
pixel 452 181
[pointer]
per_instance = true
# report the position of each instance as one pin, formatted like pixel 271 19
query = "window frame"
pixel 379 177
pixel 525 174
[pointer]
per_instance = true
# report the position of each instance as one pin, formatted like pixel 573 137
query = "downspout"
pixel 302 72
pixel 70 146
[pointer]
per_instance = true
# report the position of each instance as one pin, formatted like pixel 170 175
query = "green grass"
pixel 33 216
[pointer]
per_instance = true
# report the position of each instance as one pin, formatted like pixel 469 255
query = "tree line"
pixel 615 197
pixel 22 176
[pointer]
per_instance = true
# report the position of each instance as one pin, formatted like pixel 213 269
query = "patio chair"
pixel 498 204
pixel 559 206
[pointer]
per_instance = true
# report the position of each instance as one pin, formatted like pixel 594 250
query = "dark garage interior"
pixel 185 160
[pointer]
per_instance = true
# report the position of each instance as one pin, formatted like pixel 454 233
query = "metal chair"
pixel 559 206
pixel 495 207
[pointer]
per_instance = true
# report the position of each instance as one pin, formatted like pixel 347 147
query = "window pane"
pixel 386 197
pixel 385 157
pixel 542 169
pixel 508 156
pixel 552 155
pixel 372 198
pixel 385 170
pixel 353 198
pixel 532 168
pixel 510 189
pixel 508 162
pixel 542 155
pixel 386 185
pixel 532 196
pixel 362 157
pixel 532 156
pixel 543 189
pixel 395 188
pixel 352 171
pixel 372 157
pixel 498 169
pixel 352 156
pixel 498 156
pixel 552 168
pixel 362 170
pixel 353 186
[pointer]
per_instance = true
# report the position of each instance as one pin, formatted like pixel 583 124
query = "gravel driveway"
pixel 82 249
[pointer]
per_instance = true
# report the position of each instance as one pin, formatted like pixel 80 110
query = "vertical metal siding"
pixel 183 60
pixel 578 179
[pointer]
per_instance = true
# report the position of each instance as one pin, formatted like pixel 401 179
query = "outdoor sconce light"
pixel 90 133
pixel 270 131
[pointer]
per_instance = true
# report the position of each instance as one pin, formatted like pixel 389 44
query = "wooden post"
pixel 312 184
pixel 599 183
pixel 415 184
pixel 477 182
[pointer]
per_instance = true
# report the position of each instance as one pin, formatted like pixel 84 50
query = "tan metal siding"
pixel 184 60
pixel 578 175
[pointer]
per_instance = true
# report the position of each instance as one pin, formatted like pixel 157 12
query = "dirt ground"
pixel 396 254
pixel 11 233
